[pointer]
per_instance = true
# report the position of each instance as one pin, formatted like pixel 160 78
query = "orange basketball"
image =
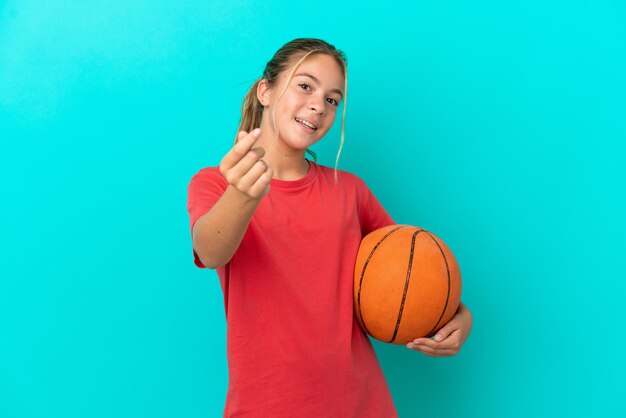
pixel 407 284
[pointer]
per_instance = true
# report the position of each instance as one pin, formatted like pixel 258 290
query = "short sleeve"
pixel 372 214
pixel 205 188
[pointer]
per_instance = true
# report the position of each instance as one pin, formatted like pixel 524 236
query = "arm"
pixel 216 235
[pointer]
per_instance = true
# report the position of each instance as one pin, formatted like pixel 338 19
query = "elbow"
pixel 210 257
pixel 212 264
pixel 209 260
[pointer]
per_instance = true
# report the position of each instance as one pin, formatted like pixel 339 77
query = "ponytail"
pixel 251 110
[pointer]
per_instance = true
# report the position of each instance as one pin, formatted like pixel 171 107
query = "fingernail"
pixel 438 338
pixel 257 132
pixel 411 345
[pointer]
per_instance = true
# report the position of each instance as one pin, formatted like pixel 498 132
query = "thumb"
pixel 444 332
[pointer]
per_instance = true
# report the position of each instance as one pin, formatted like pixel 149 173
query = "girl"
pixel 283 233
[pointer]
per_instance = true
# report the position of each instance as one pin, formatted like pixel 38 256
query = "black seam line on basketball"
pixel 448 292
pixel 363 274
pixel 406 285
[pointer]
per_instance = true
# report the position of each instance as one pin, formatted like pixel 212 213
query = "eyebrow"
pixel 318 82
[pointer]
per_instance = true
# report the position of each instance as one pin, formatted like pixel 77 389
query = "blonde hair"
pixel 251 108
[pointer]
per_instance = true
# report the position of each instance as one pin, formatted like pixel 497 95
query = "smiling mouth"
pixel 306 124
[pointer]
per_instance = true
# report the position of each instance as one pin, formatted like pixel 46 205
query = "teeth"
pixel 306 123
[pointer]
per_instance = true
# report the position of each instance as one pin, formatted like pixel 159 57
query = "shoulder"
pixel 208 175
pixel 208 172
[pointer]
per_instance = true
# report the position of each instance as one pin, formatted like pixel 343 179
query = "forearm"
pixel 464 311
pixel 218 233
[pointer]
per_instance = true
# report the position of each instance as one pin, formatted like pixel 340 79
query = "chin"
pixel 301 142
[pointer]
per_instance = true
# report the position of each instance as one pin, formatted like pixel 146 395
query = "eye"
pixel 306 86
pixel 333 101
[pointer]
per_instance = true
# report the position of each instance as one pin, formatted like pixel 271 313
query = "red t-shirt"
pixel 294 348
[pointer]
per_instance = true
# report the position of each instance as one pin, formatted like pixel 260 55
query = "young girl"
pixel 283 233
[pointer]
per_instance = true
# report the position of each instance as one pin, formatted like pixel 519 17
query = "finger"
pixel 452 342
pixel 430 348
pixel 259 151
pixel 252 176
pixel 435 353
pixel 240 149
pixel 262 185
pixel 426 342
pixel 244 165
pixel 444 332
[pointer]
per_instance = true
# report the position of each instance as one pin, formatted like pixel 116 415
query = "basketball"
pixel 407 284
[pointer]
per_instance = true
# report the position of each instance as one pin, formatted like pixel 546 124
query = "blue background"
pixel 500 127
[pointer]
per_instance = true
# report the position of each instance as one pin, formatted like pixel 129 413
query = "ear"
pixel 263 92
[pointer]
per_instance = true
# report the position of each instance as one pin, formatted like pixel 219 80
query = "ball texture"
pixel 407 284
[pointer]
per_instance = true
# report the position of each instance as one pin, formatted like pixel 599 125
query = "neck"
pixel 288 163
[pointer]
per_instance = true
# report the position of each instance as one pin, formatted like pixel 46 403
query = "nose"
pixel 317 105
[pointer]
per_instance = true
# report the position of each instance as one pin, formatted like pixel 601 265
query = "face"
pixel 308 107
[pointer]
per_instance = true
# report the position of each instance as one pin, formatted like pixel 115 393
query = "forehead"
pixel 322 67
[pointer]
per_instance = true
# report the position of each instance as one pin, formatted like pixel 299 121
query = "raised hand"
pixel 244 168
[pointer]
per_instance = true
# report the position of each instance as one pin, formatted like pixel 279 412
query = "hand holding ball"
pixel 407 284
